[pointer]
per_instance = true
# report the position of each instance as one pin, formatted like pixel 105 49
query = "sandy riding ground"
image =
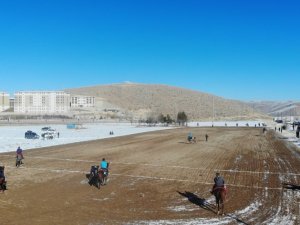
pixel 156 178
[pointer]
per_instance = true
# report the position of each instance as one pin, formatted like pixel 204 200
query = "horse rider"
pixel 219 183
pixel 19 155
pixel 19 152
pixel 190 137
pixel 104 166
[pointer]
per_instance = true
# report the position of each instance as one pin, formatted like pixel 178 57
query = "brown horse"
pixel 102 173
pixel 220 194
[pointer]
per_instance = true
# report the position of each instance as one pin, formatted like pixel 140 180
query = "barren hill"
pixel 143 100
pixel 278 109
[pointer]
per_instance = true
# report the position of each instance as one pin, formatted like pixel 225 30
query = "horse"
pixel 2 179
pixel 19 158
pixel 97 176
pixel 2 184
pixel 103 174
pixel 220 195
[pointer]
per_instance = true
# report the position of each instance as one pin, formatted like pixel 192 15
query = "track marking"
pixel 163 166
pixel 143 177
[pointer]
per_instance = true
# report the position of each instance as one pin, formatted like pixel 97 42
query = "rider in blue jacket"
pixel 104 165
pixel 218 182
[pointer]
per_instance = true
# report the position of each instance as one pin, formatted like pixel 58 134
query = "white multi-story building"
pixel 82 101
pixel 11 103
pixel 4 101
pixel 42 102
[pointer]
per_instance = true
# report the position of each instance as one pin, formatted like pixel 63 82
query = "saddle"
pixel 216 188
pixel 104 171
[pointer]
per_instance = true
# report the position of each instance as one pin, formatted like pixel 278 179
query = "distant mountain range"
pixel 140 101
pixel 277 109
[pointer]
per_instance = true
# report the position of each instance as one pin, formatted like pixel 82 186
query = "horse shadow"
pixel 291 186
pixel 201 202
pixel 92 181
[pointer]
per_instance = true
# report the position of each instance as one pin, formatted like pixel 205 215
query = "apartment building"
pixel 82 101
pixel 41 102
pixel 11 103
pixel 4 101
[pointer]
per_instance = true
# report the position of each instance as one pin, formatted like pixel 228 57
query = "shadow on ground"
pixel 201 202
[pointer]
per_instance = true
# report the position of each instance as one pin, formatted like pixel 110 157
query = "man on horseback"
pixel 19 156
pixel 103 171
pixel 220 192
pixel 190 137
pixel 219 183
pixel 104 165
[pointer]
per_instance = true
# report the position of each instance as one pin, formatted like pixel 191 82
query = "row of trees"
pixel 161 118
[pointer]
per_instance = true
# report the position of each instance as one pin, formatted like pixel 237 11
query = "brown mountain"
pixel 143 100
pixel 277 108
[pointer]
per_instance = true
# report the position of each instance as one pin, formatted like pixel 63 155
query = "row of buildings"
pixel 42 102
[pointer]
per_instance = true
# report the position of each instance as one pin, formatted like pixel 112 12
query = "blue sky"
pixel 245 50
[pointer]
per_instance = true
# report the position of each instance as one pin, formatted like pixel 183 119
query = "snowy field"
pixel 226 123
pixel 13 136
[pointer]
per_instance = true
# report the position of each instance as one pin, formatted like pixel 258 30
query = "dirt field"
pixel 156 178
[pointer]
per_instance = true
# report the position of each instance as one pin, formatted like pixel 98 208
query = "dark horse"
pixel 97 176
pixel 2 179
pixel 220 194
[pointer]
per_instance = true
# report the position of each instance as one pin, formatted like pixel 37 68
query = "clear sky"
pixel 246 50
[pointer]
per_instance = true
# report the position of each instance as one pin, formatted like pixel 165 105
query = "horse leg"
pixel 222 208
pixel 217 204
pixel 222 200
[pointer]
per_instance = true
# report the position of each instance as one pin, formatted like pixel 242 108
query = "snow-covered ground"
pixel 13 136
pixel 226 123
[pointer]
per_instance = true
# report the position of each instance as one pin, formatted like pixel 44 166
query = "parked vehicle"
pixel 31 135
pixel 46 128
pixel 296 123
pixel 47 135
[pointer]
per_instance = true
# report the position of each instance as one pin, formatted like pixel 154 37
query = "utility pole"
pixel 213 118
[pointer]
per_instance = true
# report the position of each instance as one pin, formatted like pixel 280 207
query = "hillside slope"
pixel 143 100
pixel 278 109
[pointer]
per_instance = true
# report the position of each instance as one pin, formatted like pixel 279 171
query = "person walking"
pixel 206 137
